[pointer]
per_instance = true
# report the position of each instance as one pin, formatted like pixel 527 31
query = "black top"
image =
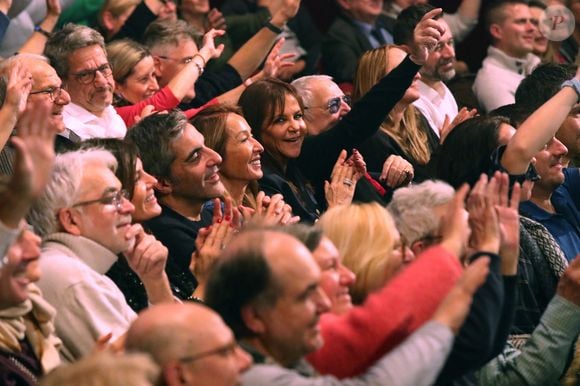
pixel 212 84
pixel 178 234
pixel 20 369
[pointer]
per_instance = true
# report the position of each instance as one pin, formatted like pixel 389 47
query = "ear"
pixel 173 374
pixel 69 220
pixel 157 63
pixel 496 31
pixel 344 4
pixel 418 247
pixel 108 20
pixel 163 186
pixel 252 319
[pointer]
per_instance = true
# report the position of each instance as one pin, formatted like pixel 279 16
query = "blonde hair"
pixel 372 67
pixel 363 235
pixel 103 369
pixel 123 56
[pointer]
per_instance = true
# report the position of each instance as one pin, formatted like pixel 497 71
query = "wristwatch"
pixel 575 84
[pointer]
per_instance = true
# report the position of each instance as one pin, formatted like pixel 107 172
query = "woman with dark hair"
pixel 139 185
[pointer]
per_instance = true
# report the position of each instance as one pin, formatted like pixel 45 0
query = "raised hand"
pixel 485 234
pixel 209 50
pixel 18 88
pixel 463 115
pixel 283 10
pixel 397 171
pixel 455 229
pixel 275 62
pixel 216 19
pixel 426 36
pixel 455 307
pixel 509 224
pixel 53 8
pixel 343 180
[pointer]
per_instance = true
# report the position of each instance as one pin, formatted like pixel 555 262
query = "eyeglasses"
pixel 333 104
pixel 53 92
pixel 88 76
pixel 225 351
pixel 186 60
pixel 113 198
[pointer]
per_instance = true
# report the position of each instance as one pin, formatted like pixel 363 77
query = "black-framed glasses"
pixel 112 198
pixel 333 105
pixel 53 92
pixel 186 60
pixel 225 350
pixel 88 76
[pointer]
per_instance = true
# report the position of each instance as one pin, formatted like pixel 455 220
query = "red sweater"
pixel 354 341
pixel 161 100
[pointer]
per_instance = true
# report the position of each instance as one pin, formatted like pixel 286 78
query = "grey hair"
pixel 162 33
pixel 412 208
pixel 66 41
pixel 5 66
pixel 64 185
pixel 303 86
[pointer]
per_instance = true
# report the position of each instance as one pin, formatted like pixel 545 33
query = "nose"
pixel 213 157
pixel 344 108
pixel 152 84
pixel 31 245
pixel 243 359
pixel 347 277
pixel 100 79
pixel 63 99
pixel 557 148
pixel 408 255
pixel 126 206
pixel 448 51
pixel 258 148
pixel 150 181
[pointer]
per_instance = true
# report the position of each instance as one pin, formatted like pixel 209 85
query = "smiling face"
pixel 170 59
pixel 515 35
pixel 94 96
pixel 146 206
pixel 21 269
pixel 335 278
pixel 105 224
pixel 194 172
pixel 283 138
pixel 549 165
pixel 242 151
pixel 141 84
pixel 540 41
pixel 44 77
pixel 319 117
pixel 439 64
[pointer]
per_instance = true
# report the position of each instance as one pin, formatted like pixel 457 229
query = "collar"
pixel 93 254
pixel 85 116
pixel 521 66
pixel 533 211
pixel 430 93
pixel 302 367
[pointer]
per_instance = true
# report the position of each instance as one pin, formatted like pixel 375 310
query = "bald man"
pixel 191 343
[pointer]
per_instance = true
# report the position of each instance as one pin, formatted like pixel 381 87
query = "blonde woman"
pixel 369 243
pixel 404 131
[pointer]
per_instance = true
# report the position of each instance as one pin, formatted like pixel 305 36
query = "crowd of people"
pixel 230 194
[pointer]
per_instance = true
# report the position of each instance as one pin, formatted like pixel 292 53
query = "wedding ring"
pixel 347 182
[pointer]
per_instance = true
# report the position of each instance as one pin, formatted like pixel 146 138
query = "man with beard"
pixel 436 101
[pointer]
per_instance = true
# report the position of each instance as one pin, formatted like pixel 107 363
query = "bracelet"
pixel 41 31
pixel 575 84
pixel 198 55
pixel 199 68
pixel 273 28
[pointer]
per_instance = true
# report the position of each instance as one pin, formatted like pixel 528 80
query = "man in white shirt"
pixel 509 58
pixel 79 57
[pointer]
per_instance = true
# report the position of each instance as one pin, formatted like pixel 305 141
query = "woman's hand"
pixel 209 51
pixel 483 219
pixel 463 115
pixel 397 171
pixel 216 20
pixel 344 177
pixel 426 36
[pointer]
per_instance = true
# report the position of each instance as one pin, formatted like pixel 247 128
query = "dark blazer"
pixel 344 44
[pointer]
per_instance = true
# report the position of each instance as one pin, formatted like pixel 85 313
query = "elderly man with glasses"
pixel 85 220
pixel 79 57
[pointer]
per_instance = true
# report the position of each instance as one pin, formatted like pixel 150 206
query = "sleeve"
pixel 319 153
pixel 490 93
pixel 460 26
pixel 161 100
pixel 210 85
pixel 543 358
pixel 476 338
pixel 355 341
pixel 89 312
pixel 427 349
pixel 339 57
pixel 4 22
pixel 572 184
pixel 137 23
pixel 194 111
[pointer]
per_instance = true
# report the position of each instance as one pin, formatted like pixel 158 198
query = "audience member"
pixel 85 220
pixel 509 57
pixel 80 60
pixel 191 354
pixel 358 28
pixel 278 331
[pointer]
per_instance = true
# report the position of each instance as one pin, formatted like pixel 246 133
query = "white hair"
pixel 303 86
pixel 63 187
pixel 412 208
